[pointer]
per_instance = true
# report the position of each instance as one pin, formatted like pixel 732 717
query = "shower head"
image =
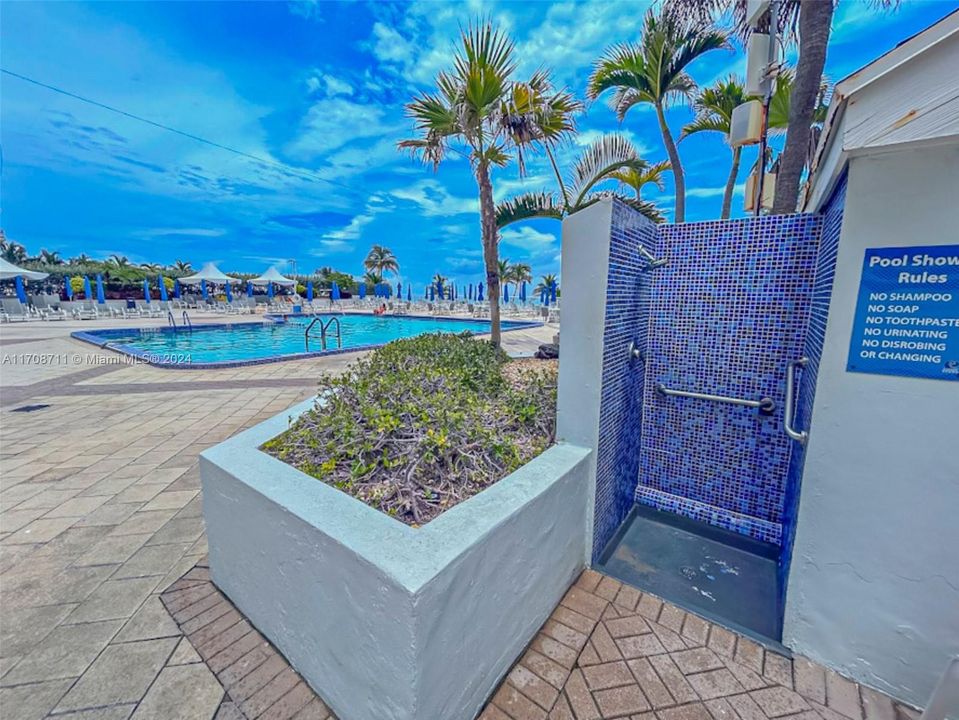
pixel 652 262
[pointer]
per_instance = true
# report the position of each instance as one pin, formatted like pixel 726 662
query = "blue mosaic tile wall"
pixel 725 316
pixel 620 416
pixel 832 215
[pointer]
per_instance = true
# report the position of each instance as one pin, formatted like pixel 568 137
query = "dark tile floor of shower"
pixel 721 575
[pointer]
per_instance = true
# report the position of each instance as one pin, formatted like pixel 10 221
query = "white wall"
pixel 874 583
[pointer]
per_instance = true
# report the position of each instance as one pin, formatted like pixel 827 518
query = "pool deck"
pixel 108 612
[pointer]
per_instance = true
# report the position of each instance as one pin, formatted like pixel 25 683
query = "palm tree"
pixel 546 282
pixel 81 259
pixel 12 251
pixel 119 261
pixel 181 266
pixel 714 109
pixel 151 267
pixel 372 277
pixel 50 257
pixel 601 161
pixel 654 71
pixel 479 106
pixel 637 179
pixel 811 23
pixel 521 272
pixel 381 260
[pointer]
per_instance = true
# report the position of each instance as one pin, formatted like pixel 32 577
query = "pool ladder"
pixel 324 327
pixel 172 323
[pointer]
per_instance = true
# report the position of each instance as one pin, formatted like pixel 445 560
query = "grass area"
pixel 424 423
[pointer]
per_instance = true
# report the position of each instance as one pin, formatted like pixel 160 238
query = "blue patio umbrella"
pixel 479 293
pixel 505 293
pixel 146 290
pixel 309 291
pixel 552 292
pixel 544 297
pixel 522 292
pixel 269 290
pixel 471 291
pixel 362 290
pixel 101 297
pixel 432 292
pixel 203 290
pixel 249 288
pixel 335 292
pixel 87 288
pixel 409 292
pixel 439 289
pixel 21 293
pixel 399 290
pixel 229 293
pixel 69 289
pixel 176 288
pixel 162 285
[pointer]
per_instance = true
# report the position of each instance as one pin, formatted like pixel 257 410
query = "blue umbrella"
pixel 544 297
pixel 21 293
pixel 471 291
pixel 146 290
pixel 309 291
pixel 409 293
pixel 552 292
pixel 399 290
pixel 432 292
pixel 203 291
pixel 362 290
pixel 479 293
pixel 162 285
pixel 505 293
pixel 249 288
pixel 269 290
pixel 69 289
pixel 176 288
pixel 87 288
pixel 229 293
pixel 522 292
pixel 101 298
pixel 335 292
pixel 439 289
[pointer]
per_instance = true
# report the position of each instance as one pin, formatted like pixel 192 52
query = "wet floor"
pixel 720 574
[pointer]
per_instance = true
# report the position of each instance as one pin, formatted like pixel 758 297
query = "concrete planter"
pixel 385 621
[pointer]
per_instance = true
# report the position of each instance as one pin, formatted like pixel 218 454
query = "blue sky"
pixel 318 90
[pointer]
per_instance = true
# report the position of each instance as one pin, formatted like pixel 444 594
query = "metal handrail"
pixel 170 321
pixel 799 436
pixel 339 332
pixel 765 404
pixel 186 321
pixel 306 333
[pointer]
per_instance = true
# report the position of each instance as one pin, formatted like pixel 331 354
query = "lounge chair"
pixel 14 311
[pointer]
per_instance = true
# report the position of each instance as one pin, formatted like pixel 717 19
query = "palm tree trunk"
pixel 490 247
pixel 815 19
pixel 731 184
pixel 679 178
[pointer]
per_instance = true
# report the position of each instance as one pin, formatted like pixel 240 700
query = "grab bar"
pixel 170 321
pixel 765 405
pixel 187 322
pixel 789 415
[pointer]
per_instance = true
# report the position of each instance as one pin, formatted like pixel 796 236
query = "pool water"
pixel 251 342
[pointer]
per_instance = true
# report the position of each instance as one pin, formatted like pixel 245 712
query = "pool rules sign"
pixel 907 314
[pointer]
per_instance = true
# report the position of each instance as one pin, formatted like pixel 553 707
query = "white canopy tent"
pixel 211 273
pixel 9 270
pixel 273 276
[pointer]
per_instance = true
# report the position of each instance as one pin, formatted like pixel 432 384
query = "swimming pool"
pixel 273 338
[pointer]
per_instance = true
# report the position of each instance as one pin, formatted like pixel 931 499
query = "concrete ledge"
pixel 383 620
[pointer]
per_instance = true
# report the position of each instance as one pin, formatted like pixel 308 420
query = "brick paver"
pixel 649 660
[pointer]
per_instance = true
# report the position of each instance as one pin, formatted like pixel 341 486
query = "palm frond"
pixel 526 207
pixel 603 157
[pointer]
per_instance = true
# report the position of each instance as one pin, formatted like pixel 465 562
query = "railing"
pixel 789 415
pixel 186 321
pixel 170 321
pixel 324 326
pixel 765 404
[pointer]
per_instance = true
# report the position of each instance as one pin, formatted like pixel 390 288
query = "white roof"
pixel 909 95
pixel 9 270
pixel 273 276
pixel 211 273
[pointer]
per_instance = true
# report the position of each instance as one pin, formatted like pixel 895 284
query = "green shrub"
pixel 424 423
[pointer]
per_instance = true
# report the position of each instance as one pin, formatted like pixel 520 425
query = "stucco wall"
pixel 383 620
pixel 874 584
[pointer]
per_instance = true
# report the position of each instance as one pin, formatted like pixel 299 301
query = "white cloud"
pixel 434 199
pixel 329 84
pixel 333 122
pixel 504 188
pixel 714 191
pixel 585 138
pixel 187 232
pixel 529 239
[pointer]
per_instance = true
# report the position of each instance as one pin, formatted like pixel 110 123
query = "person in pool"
pixel 381 310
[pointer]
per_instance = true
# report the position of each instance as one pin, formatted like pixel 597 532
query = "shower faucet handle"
pixel 634 352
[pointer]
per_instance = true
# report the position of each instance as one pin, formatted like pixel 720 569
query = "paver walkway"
pixel 100 514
